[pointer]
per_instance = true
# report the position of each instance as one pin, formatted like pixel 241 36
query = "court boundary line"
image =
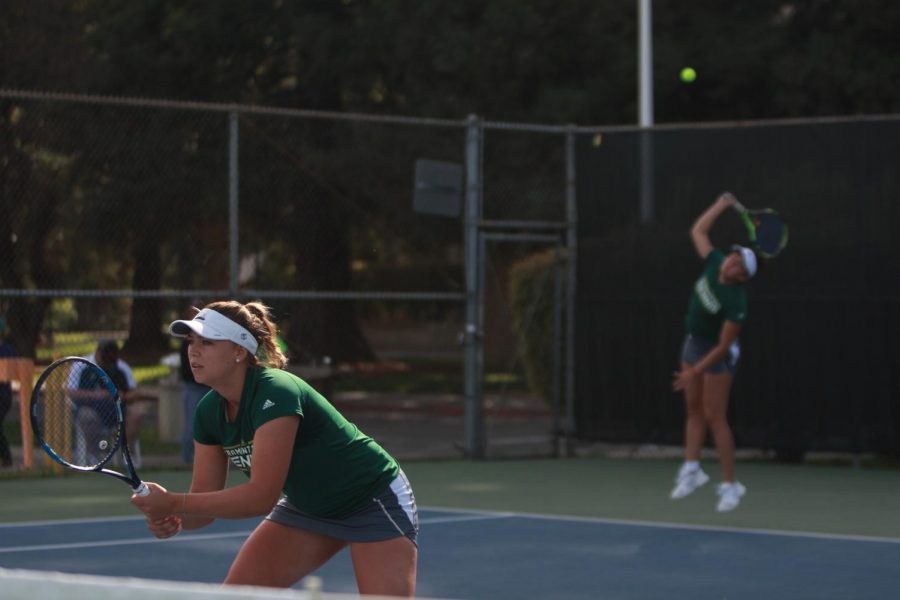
pixel 479 514
pixel 684 526
pixel 92 520
pixel 190 536
pixel 122 542
pixel 74 521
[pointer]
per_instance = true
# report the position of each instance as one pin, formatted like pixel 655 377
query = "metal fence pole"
pixel 645 118
pixel 233 203
pixel 571 263
pixel 474 339
pixel 557 344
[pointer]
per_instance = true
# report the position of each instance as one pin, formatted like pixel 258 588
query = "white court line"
pixel 469 517
pixel 195 536
pixel 459 515
pixel 73 521
pixel 126 542
pixel 682 526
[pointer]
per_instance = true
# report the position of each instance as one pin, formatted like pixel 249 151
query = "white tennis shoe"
pixel 730 495
pixel 688 481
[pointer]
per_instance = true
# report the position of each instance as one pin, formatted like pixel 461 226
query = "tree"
pixel 510 60
pixel 35 177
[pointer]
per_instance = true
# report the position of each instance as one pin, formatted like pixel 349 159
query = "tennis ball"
pixel 688 74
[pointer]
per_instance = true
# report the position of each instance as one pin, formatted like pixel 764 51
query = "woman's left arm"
pixel 727 336
pixel 273 448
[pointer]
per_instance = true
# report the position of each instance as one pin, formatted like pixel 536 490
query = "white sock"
pixel 690 466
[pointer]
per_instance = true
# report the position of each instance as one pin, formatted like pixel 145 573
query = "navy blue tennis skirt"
pixel 694 349
pixel 389 515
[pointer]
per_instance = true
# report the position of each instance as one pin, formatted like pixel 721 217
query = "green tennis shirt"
pixel 335 468
pixel 712 302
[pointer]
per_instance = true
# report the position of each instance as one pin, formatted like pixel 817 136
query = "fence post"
pixel 473 336
pixel 233 203
pixel 571 264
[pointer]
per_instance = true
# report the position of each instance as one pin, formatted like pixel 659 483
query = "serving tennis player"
pixel 710 355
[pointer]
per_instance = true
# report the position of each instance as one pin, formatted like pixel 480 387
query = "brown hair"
pixel 255 318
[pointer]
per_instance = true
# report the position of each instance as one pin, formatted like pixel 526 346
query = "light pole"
pixel 645 107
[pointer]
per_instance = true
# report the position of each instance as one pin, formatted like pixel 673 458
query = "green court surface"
pixel 808 498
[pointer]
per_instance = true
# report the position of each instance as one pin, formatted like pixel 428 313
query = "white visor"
pixel 215 326
pixel 749 258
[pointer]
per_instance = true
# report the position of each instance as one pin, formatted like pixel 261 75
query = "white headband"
pixel 749 258
pixel 215 326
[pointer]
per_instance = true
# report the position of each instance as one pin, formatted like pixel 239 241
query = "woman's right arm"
pixel 273 444
pixel 210 474
pixel 700 228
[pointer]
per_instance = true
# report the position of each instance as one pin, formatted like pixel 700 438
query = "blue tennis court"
pixel 491 555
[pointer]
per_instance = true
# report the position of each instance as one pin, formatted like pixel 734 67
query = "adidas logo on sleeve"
pixel 267 404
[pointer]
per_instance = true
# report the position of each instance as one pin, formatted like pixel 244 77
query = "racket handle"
pixel 737 205
pixel 142 490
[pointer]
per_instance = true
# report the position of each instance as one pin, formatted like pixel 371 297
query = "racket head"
pixel 770 232
pixel 76 414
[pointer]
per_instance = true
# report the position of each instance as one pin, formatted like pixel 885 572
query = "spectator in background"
pixel 106 356
pixel 7 350
pixel 192 393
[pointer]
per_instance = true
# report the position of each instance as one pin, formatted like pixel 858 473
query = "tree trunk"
pixel 28 202
pixel 146 339
pixel 316 329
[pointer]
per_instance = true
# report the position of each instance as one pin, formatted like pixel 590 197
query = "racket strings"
pixel 771 234
pixel 76 416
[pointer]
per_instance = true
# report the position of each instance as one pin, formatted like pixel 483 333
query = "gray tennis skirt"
pixel 389 515
pixel 694 349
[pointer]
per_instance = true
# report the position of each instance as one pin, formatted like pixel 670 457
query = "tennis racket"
pixel 79 420
pixel 766 229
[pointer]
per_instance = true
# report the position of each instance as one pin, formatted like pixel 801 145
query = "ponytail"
pixel 256 318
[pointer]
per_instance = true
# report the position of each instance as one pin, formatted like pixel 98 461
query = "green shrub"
pixel 531 282
pixel 63 314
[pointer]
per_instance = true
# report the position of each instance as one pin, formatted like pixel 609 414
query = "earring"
pixel 237 360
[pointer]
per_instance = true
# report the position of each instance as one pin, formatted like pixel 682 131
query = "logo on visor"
pixel 243 336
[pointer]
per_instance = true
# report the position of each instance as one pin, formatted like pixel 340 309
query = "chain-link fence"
pixel 120 214
pixel 453 333
pixel 818 369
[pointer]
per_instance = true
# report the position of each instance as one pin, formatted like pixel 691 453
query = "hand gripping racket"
pixel 766 229
pixel 79 420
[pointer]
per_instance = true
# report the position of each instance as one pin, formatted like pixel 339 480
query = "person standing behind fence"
pixel 710 354
pixel 106 356
pixel 192 392
pixel 341 489
pixel 7 350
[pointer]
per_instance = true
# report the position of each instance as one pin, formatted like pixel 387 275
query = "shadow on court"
pixel 485 555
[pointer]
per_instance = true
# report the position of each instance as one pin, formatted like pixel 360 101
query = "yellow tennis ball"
pixel 688 74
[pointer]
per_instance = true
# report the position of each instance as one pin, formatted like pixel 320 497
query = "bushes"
pixel 531 299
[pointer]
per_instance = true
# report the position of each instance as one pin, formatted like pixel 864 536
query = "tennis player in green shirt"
pixel 709 358
pixel 323 484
